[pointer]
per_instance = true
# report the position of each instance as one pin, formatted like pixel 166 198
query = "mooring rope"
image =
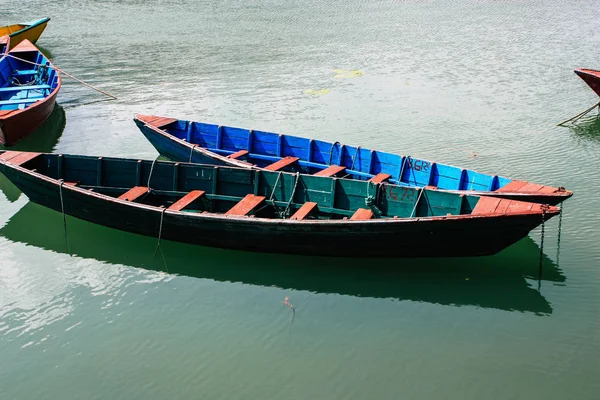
pixel 575 118
pixel 66 73
pixel 62 208
pixel 275 186
pixel 559 232
pixel 544 207
pixel 293 193
pixel 192 152
pixel 354 158
pixel 331 151
pixel 402 168
pixel 417 203
pixel 162 214
pixel 150 175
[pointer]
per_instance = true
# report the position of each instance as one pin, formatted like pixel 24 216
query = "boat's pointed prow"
pixel 591 77
pixel 154 120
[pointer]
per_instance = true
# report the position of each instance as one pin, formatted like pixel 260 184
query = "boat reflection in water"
pixel 496 282
pixel 587 128
pixel 44 139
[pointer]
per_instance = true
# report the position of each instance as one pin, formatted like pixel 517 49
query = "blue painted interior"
pixel 314 155
pixel 23 83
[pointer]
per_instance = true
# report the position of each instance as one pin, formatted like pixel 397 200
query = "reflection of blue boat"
pixel 494 282
pixel 205 143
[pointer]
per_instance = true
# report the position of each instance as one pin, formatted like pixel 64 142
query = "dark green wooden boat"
pixel 271 211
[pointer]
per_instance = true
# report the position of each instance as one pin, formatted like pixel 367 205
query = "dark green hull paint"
pixel 459 235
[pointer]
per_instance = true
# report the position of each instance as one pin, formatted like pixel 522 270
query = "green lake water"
pixel 478 84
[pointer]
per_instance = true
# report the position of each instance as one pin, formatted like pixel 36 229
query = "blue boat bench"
pixel 19 88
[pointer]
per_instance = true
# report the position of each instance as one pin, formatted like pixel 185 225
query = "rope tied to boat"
pixel 62 209
pixel 63 72
pixel 150 175
pixel 417 203
pixel 371 200
pixel 160 227
pixel 402 168
pixel 559 233
pixel 293 193
pixel 192 152
pixel 331 151
pixel 354 158
pixel 544 208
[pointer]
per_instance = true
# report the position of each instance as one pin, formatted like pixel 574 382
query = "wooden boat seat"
pixel 18 158
pixel 186 200
pixel 24 72
pixel 238 154
pixel 246 205
pixel 281 164
pixel 362 214
pixel 304 211
pixel 134 193
pixel 332 170
pixel 19 101
pixel 19 88
pixel 380 177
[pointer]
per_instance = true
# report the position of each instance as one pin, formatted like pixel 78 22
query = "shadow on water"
pixel 44 139
pixel 588 128
pixel 491 282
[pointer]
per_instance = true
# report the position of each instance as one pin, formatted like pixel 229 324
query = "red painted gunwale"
pixel 591 77
pixel 18 124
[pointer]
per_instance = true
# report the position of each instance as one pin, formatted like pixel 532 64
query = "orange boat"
pixel 29 84
pixel 28 30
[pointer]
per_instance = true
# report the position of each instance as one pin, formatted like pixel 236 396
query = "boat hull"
pixel 16 126
pixel 31 32
pixel 20 123
pixel 591 77
pixel 427 237
pixel 179 150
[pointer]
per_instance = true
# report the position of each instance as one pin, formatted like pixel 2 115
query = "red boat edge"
pixel 18 124
pixel 591 77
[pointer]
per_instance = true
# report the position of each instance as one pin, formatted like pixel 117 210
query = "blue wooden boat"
pixel 271 211
pixel 29 84
pixel 200 142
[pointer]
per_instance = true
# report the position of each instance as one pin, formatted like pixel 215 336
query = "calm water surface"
pixel 479 84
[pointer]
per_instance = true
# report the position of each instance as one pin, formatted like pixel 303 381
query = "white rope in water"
pixel 62 208
pixel 65 73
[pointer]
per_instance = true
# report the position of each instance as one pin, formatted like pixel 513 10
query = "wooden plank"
pixel 304 211
pixel 281 164
pixel 19 88
pixel 134 193
pixel 17 157
pixel 186 200
pixel 380 177
pixel 246 205
pixel 332 170
pixel 361 214
pixel 238 154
